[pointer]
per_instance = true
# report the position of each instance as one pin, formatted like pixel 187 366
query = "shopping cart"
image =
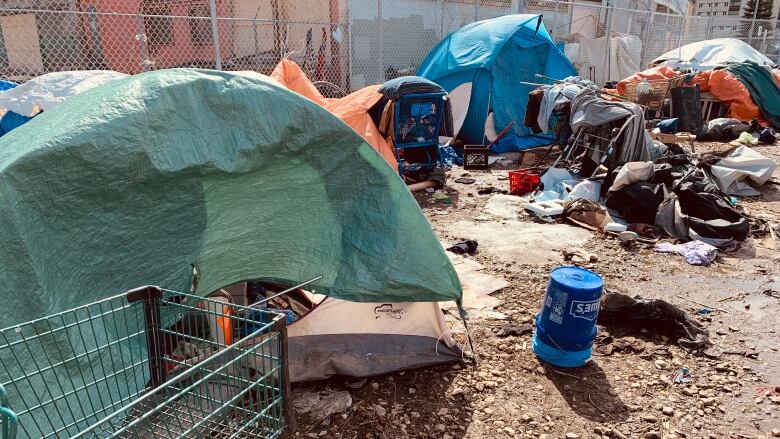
pixel 149 363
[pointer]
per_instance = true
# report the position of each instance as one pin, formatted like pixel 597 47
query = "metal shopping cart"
pixel 149 363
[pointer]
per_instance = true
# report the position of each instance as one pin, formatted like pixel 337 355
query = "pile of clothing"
pixel 543 101
pixel 688 198
pixel 685 197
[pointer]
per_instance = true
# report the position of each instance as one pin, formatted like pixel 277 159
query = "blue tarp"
pixel 495 55
pixel 6 85
pixel 11 120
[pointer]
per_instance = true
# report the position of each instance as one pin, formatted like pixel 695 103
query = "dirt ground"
pixel 628 390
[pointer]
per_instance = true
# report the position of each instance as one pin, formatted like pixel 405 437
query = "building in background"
pixel 33 41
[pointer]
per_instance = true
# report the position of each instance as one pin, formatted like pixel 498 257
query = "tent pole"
pixel 464 317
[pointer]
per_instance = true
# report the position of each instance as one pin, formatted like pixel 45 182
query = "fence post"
pixel 709 23
pixel 440 10
pixel 753 23
pixel 682 31
pixel 141 37
pixel 215 35
pixel 608 54
pixel 555 20
pixel 521 6
pixel 646 40
pixel 381 41
pixel 476 10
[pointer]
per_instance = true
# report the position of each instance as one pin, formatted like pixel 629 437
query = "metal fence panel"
pixel 351 43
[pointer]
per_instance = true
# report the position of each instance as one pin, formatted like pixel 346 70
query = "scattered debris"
pixel 694 252
pixel 513 330
pixel 657 316
pixel 578 256
pixel 321 404
pixel 469 247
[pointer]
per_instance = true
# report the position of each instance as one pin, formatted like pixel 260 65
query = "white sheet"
pixel 624 57
pixel 44 92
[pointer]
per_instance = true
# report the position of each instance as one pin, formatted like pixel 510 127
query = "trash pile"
pixel 613 176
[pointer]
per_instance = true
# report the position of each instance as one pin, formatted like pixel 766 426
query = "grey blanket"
pixel 590 110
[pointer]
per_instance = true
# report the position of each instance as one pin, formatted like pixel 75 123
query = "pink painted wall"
pixel 122 51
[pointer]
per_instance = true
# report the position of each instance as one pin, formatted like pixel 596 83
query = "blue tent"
pixel 495 55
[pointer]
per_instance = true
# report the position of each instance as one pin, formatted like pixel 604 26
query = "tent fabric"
pixel 44 92
pixel 366 339
pixel 496 55
pixel 708 54
pixel 353 109
pixel 136 180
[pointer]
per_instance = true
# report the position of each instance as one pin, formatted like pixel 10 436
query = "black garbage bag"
pixel 711 216
pixel 657 316
pixel 638 202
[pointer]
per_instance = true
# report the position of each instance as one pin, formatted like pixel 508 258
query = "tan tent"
pixel 360 339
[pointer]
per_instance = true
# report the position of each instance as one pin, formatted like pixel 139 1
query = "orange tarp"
pixel 352 109
pixel 655 73
pixel 724 86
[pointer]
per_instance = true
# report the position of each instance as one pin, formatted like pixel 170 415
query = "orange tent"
pixel 724 86
pixel 352 109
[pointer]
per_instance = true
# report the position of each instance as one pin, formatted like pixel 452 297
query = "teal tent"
pixel 499 57
pixel 138 180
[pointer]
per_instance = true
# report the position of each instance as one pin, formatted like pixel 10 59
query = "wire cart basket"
pixel 149 363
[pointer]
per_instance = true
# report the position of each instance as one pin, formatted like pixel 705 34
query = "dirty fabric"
pixel 587 213
pixel 632 172
pixel 694 252
pixel 532 110
pixel 741 164
pixel 638 202
pixel 460 248
pixel 561 93
pixel 658 317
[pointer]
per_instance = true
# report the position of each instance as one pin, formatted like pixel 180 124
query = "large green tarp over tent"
pixel 132 182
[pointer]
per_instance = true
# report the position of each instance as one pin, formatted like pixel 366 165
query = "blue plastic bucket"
pixel 566 324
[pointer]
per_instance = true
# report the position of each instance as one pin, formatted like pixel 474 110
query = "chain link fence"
pixel 350 43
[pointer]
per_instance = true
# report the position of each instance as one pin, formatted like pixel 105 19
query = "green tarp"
pixel 762 87
pixel 132 182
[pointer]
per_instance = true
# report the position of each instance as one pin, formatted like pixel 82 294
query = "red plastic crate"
pixel 523 181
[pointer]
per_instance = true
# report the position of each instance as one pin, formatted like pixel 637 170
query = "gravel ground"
pixel 628 389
